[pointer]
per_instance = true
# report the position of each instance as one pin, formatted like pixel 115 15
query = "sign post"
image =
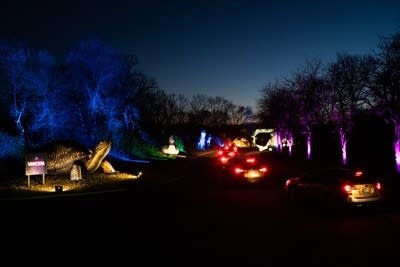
pixel 35 164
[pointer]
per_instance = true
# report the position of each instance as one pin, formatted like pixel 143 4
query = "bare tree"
pixel 219 110
pixel 48 112
pixel 309 87
pixel 278 107
pixel 216 111
pixel 140 92
pixel 31 75
pixel 386 91
pixel 177 109
pixel 349 79
pixel 239 114
pixel 198 111
pixel 13 61
pixel 96 69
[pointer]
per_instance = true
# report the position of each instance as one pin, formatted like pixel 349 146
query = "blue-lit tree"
pixel 13 59
pixel 96 71
pixel 139 109
pixel 47 112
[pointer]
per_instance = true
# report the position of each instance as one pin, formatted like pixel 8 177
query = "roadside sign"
pixel 35 164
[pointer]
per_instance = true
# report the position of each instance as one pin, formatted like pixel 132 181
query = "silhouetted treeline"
pixel 95 93
pixel 333 95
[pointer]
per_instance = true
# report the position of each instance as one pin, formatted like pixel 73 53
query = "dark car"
pixel 336 186
pixel 245 169
pixel 226 152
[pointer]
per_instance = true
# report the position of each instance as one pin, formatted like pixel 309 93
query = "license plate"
pixel 252 174
pixel 365 191
pixel 368 191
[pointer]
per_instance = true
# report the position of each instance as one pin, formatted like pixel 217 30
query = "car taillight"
pixel 347 188
pixel 288 182
pixel 378 186
pixel 223 159
pixel 231 154
pixel 250 160
pixel 263 169
pixel 238 170
pixel 220 152
pixel 358 173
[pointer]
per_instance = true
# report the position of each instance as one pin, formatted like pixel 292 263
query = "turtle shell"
pixel 63 154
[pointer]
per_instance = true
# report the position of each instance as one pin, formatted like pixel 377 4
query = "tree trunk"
pixel 309 145
pixel 396 146
pixel 343 143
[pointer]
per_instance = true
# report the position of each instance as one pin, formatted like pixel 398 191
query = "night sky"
pixel 217 48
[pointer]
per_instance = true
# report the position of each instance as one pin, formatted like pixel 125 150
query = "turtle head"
pixel 99 153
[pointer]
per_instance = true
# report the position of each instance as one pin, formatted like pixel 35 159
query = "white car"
pixel 335 186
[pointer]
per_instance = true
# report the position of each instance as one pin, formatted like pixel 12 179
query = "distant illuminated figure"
pixel 218 141
pixel 201 144
pixel 241 142
pixel 171 149
pixel 208 141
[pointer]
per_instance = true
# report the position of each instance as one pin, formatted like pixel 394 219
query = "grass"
pixel 14 183
pixel 93 182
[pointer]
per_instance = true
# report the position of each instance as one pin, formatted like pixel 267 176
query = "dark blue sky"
pixel 217 48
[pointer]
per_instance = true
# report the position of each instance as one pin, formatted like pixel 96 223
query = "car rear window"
pixel 343 174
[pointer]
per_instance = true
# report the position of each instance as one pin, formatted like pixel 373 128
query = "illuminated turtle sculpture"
pixel 70 157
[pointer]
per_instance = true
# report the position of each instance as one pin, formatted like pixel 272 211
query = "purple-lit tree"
pixel 277 108
pixel 386 91
pixel 309 87
pixel 349 78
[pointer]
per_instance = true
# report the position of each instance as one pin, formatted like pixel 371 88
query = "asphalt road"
pixel 180 217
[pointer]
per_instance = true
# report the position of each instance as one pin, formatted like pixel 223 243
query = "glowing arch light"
pixel 271 142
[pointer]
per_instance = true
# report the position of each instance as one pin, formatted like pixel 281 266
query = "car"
pixel 337 186
pixel 224 153
pixel 246 169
